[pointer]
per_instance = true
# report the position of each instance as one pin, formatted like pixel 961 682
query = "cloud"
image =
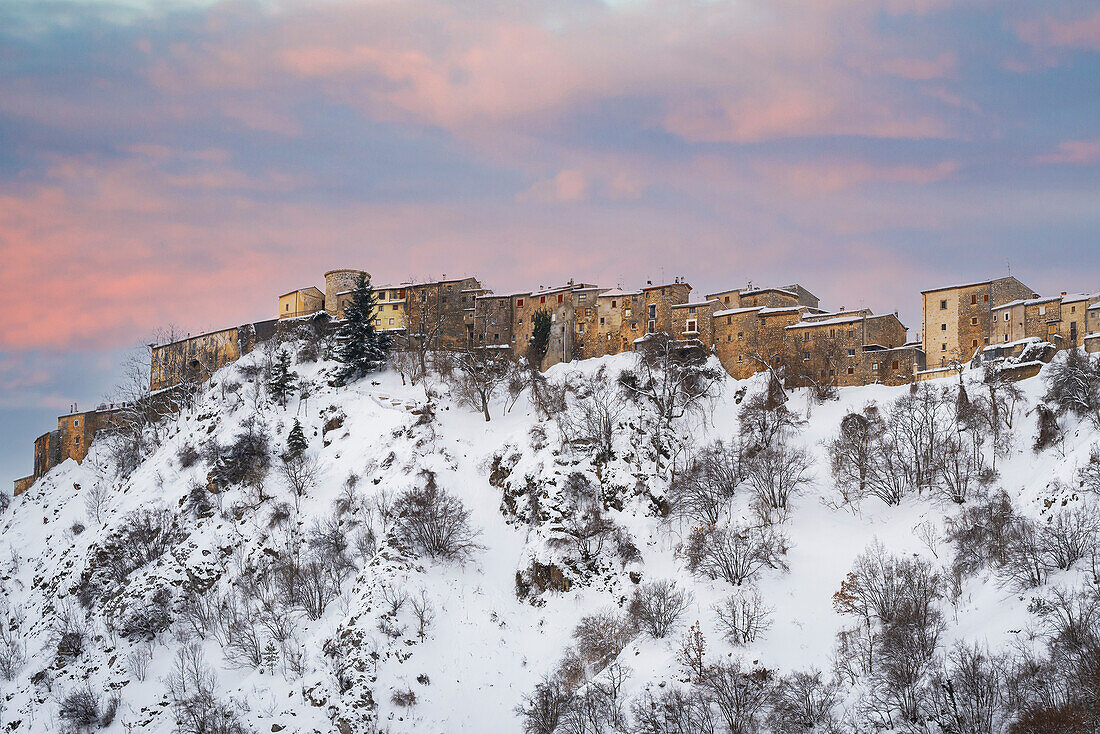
pixel 1050 32
pixel 1074 152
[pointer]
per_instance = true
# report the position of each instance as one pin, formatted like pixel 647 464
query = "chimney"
pixel 649 282
pixel 1063 293
pixel 842 309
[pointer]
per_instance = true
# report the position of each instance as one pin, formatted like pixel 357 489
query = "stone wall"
pixel 337 282
pixel 658 302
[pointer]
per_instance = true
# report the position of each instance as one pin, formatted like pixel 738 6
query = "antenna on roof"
pixel 1008 264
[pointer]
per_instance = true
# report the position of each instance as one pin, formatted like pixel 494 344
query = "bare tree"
pixel 657 606
pixel 734 554
pixel 481 372
pixel 743 616
pixel 435 523
pixel 852 452
pixel 593 416
pixel 435 322
pixel 776 474
pixel 704 491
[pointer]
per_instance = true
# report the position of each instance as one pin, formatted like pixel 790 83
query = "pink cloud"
pixel 567 185
pixel 1074 152
pixel 1051 32
pixel 831 177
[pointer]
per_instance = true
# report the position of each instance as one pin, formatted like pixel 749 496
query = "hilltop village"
pixel 748 329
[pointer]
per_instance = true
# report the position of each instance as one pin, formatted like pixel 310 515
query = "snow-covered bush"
pixel 1073 385
pixel 734 554
pixel 602 636
pixel 432 522
pixel 742 616
pixel 79 709
pixel 657 606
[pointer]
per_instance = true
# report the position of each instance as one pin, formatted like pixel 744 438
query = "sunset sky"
pixel 186 162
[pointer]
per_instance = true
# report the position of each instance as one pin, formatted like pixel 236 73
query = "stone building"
pixel 72 440
pixel 562 304
pixel 694 320
pixel 494 319
pixel 1074 312
pixel 338 284
pixel 194 359
pixel 302 302
pixel 958 319
pixel 658 301
pixel 586 322
pixel 442 310
pixel 618 320
pixel 788 295
pixel 748 340
pixel 1031 318
pixel 848 348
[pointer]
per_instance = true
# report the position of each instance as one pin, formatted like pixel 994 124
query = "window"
pixel 561 297
pixel 612 304
pixel 626 312
pixel 1006 315
pixel 653 310
pixel 894 365
pixel 973 320
pixel 740 335
pixel 391 322
pixel 985 298
pixel 395 307
pixel 805 336
pixel 1052 328
pixel 943 347
pixel 662 291
pixel 1006 337
pixel 288 307
pixel 692 325
pixel 805 356
pixel 76 423
pixel 496 337
pixel 851 370
pixel 851 352
pixel 691 309
pixel 943 327
pixel 727 299
pixel 633 325
pixel 974 299
pixel 729 319
pixel 542 299
pixel 974 343
pixel 582 298
pixel 738 357
pixel 601 321
pixel 587 312
pixel 832 333
pixel 851 333
pixel 580 328
pixel 652 326
pixel 519 302
pixel 1042 310
pixel 943 305
pixel 874 366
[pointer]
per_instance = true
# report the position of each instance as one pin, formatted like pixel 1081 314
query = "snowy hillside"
pixel 201 592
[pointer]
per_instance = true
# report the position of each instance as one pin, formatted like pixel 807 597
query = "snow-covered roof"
pixel 732 311
pixel 826 322
pixel 302 290
pixel 1027 302
pixel 1010 345
pixel 694 304
pixel 784 291
pixel 619 292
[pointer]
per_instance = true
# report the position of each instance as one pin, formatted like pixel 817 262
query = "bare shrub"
pixel 1073 384
pixel 1025 565
pixel 138 659
pixel 884 587
pixel 13 643
pixel 968 691
pixel 1048 431
pixel 300 471
pixel 393 597
pixel 593 417
pixel 600 637
pixel 657 606
pixel 743 616
pixel 804 701
pixel 775 474
pixel 482 372
pixel 435 523
pixel 852 452
pixel 97 501
pixel 702 493
pixel 423 612
pixel 404 698
pixel 735 554
pixel 1089 474
pixel 542 710
pixel 80 708
pixel 740 696
pixel 192 691
pixel 188 456
pixel 245 461
pixel 979 534
pixel 1070 536
pixel 673 711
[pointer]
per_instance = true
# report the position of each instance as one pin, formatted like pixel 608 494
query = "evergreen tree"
pixel 282 380
pixel 296 443
pixel 540 338
pixel 360 348
pixel 271 657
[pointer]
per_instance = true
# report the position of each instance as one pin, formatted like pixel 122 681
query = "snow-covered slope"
pixel 352 668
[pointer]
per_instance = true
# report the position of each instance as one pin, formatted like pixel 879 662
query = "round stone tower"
pixel 339 281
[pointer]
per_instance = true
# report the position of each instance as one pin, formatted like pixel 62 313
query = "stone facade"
pixel 694 320
pixel 958 319
pixel 337 282
pixel 746 340
pixel 777 297
pixel 1074 313
pixel 443 307
pixel 494 320
pixel 619 323
pixel 658 301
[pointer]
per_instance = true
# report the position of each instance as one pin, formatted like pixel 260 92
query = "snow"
pixel 486 648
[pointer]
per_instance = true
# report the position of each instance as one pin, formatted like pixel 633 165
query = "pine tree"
pixel 282 379
pixel 296 443
pixel 271 657
pixel 360 348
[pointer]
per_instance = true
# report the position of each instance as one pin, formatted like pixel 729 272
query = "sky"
pixel 183 163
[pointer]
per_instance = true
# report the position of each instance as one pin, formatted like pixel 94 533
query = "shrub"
pixel 188 456
pixel 244 461
pixel 979 534
pixel 742 616
pixel 141 538
pixel 80 708
pixel 735 554
pixel 1073 384
pixel 739 696
pixel 1049 432
pixel 805 702
pixel 433 522
pixel 602 636
pixel 191 690
pixel 544 708
pixel 775 474
pixel 657 606
pixel 702 492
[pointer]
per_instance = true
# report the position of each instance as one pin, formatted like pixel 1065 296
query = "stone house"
pixel 561 303
pixel 494 319
pixel 196 358
pixel 658 301
pixel 301 302
pixel 748 339
pixel 619 320
pixel 1074 325
pixel 338 286
pixel 850 348
pixel 1032 318
pixel 695 320
pixel 747 297
pixel 445 307
pixel 958 319
pixel 586 322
